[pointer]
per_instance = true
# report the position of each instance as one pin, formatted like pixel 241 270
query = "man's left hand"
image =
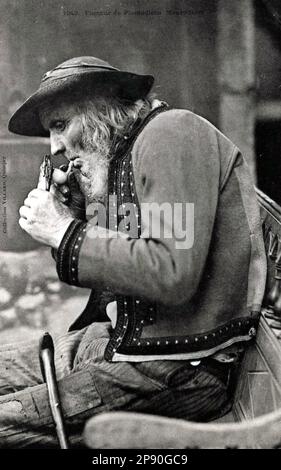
pixel 44 217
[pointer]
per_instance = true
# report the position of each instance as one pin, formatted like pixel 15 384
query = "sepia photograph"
pixel 140 227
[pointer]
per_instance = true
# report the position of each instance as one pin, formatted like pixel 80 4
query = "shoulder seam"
pixel 235 151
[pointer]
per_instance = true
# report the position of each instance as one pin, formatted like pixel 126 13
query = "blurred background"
pixel 219 58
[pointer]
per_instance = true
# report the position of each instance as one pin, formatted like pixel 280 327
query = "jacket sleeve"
pixel 175 162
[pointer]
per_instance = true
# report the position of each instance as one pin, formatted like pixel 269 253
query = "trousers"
pixel 89 385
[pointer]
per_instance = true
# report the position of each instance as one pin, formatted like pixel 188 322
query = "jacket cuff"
pixel 67 254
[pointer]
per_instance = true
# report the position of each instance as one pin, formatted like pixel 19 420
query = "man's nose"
pixel 57 144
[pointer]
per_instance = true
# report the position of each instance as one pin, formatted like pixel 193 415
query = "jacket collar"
pixel 123 144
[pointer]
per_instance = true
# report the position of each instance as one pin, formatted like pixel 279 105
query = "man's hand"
pixel 67 190
pixel 44 217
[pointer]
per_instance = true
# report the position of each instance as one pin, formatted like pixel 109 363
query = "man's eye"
pixel 59 125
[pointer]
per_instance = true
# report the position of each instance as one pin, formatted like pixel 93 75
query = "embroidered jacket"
pixel 174 300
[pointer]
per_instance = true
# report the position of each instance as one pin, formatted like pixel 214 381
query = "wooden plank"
pixel 269 110
pixel 125 430
pixel 259 387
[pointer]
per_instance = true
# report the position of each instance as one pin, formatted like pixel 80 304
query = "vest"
pixel 207 323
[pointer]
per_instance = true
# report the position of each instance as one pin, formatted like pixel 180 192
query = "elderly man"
pixel 157 215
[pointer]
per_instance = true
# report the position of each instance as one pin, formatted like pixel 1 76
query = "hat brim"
pixel 124 85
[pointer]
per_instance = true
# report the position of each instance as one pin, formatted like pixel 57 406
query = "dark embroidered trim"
pixel 193 343
pixel 54 254
pixel 75 244
pixel 121 183
pixel 129 327
pixel 63 260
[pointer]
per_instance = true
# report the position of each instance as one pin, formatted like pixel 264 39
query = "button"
pixel 195 363
pixel 252 332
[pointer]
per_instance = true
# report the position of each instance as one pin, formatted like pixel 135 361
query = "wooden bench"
pixel 255 420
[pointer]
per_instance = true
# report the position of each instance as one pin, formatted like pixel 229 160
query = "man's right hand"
pixel 66 189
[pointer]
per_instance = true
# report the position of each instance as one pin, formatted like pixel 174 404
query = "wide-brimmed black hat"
pixel 79 75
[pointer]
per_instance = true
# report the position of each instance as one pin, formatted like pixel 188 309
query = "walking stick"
pixel 46 356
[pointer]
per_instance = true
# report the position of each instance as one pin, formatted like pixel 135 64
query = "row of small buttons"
pixel 74 263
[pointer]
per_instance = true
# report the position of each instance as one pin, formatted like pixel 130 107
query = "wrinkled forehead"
pixel 56 110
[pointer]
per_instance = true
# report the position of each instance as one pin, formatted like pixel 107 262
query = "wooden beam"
pixel 269 110
pixel 236 54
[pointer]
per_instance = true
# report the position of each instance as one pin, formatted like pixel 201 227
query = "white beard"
pixel 92 177
pixel 93 185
